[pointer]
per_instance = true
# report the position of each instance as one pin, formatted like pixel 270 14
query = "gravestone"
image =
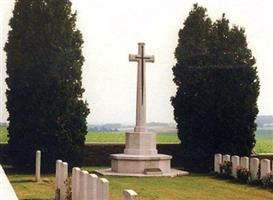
pixel 254 168
pixel 38 166
pixel 140 153
pixel 92 186
pixel 63 178
pixel 76 172
pixel 129 195
pixel 83 185
pixel 235 163
pixel 226 158
pixel 217 162
pixel 244 162
pixel 103 189
pixel 265 167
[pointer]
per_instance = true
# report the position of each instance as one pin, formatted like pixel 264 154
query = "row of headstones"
pixel 84 186
pixel 252 164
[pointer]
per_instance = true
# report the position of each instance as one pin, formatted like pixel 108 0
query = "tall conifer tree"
pixel 44 95
pixel 215 105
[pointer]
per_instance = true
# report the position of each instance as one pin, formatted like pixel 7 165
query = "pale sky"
pixel 112 29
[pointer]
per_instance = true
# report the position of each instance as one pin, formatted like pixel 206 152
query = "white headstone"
pixel 265 167
pixel 235 163
pixel 226 158
pixel 217 162
pixel 83 185
pixel 244 162
pixel 129 195
pixel 103 189
pixel 63 179
pixel 57 175
pixel 254 168
pixel 92 187
pixel 75 183
pixel 38 166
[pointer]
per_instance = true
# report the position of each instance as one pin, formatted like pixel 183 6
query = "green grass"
pixel 119 137
pixel 192 187
pixel 3 134
pixel 264 138
pixel 264 146
pixel 27 189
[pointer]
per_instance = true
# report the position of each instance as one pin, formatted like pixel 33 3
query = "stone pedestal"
pixel 140 156
pixel 141 143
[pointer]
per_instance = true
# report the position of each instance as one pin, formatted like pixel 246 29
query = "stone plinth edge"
pixel 172 173
pixel 140 157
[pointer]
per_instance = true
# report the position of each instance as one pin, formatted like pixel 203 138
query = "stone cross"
pixel 141 59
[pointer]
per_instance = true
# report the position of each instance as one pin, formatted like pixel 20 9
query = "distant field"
pixel 119 137
pixel 107 137
pixel 264 138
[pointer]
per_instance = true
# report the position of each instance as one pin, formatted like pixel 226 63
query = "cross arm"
pixel 133 57
pixel 149 59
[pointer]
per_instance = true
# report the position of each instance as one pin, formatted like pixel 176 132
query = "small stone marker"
pixel 217 162
pixel 63 178
pixel 38 166
pixel 265 167
pixel 92 187
pixel 254 168
pixel 103 189
pixel 75 183
pixel 57 174
pixel 244 162
pixel 129 195
pixel 226 158
pixel 235 163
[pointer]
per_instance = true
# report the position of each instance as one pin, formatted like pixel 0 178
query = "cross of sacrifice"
pixel 141 59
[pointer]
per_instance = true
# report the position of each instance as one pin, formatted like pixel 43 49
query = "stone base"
pixel 139 164
pixel 172 173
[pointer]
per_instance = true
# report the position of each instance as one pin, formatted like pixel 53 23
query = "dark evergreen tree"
pixel 217 89
pixel 236 88
pixel 44 95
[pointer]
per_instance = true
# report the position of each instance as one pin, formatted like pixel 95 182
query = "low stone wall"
pixel 98 154
pixel 263 156
pixel 3 153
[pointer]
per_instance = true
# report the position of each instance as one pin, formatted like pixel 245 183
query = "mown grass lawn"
pixel 191 187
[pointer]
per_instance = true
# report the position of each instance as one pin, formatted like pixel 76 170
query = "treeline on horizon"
pixel 262 121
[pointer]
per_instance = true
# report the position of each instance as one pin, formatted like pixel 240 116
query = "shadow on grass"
pixel 35 199
pixel 23 181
